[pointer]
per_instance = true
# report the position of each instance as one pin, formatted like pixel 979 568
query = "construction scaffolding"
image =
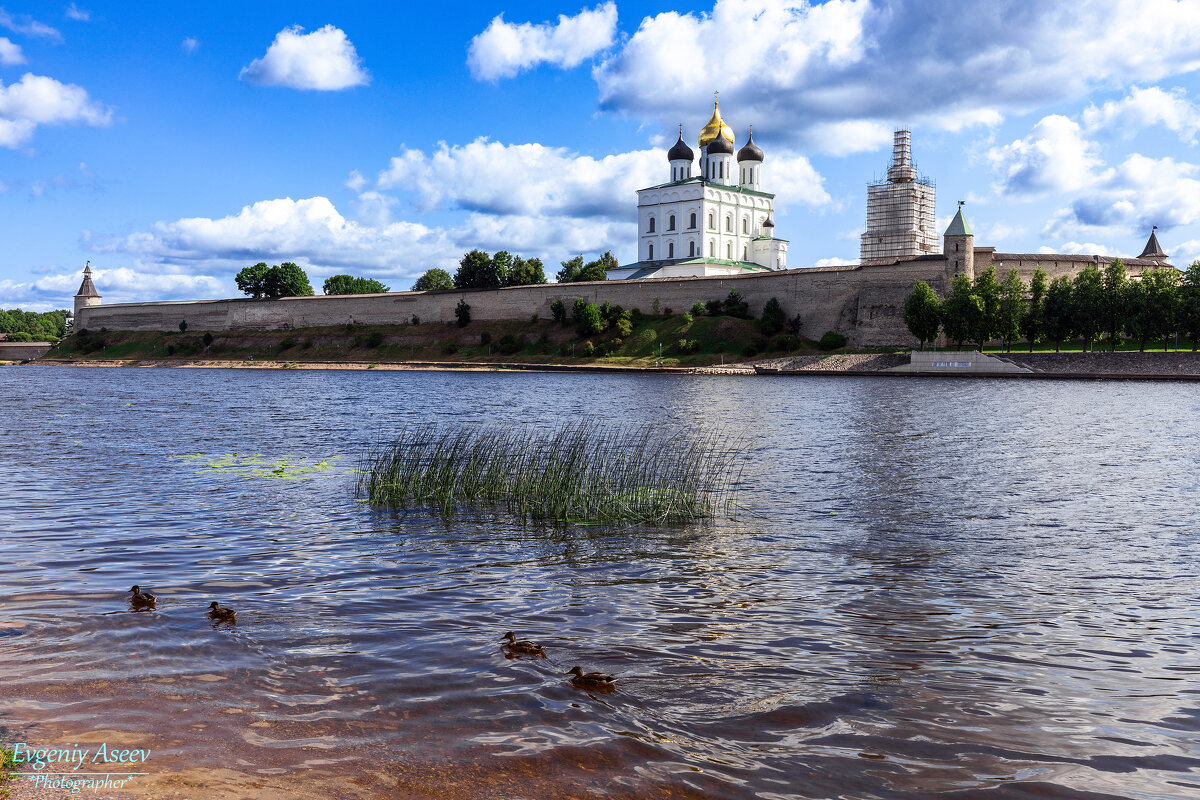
pixel 900 211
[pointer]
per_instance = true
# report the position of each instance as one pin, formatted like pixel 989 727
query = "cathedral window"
pixel 691 249
pixel 729 224
pixel 729 251
pixel 650 257
pixel 671 222
pixel 712 249
pixel 670 249
pixel 745 225
pixel 651 228
pixel 744 253
pixel 711 222
pixel 693 225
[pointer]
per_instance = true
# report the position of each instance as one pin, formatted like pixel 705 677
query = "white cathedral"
pixel 718 222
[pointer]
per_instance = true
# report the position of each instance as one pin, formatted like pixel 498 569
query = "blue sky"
pixel 173 144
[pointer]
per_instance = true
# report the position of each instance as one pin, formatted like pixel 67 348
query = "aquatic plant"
pixel 254 465
pixel 576 472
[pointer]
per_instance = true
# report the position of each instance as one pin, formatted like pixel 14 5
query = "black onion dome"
pixel 750 151
pixel 720 145
pixel 770 223
pixel 680 151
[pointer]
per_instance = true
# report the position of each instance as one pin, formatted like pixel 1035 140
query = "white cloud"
pixel 789 64
pixel 28 26
pixel 323 60
pixel 834 262
pixel 849 136
pixel 190 44
pixel 1143 108
pixel 10 53
pixel 505 49
pixel 1081 248
pixel 1185 253
pixel 1133 197
pixel 794 180
pixel 1053 157
pixel 39 100
pixel 78 14
pixel 525 179
pixel 355 181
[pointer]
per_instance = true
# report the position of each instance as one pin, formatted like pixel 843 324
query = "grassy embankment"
pixel 711 340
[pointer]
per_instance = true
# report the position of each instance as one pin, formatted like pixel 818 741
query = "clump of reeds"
pixel 577 472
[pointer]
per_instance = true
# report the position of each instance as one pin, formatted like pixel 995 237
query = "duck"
pixel 592 680
pixel 141 598
pixel 522 647
pixel 221 614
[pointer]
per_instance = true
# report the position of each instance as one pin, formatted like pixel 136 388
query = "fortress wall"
pixel 865 304
pixel 1053 264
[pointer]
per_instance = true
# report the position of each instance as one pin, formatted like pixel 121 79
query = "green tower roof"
pixel 959 226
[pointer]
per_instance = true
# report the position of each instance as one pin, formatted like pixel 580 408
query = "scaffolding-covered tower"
pixel 900 212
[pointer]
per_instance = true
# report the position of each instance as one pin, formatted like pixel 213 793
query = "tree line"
pixel 290 280
pixel 1096 305
pixel 478 270
pixel 33 326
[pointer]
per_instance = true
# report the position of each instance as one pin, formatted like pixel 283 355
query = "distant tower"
pixel 958 245
pixel 681 158
pixel 87 294
pixel 900 212
pixel 1153 250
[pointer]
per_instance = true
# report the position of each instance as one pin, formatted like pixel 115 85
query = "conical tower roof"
pixel 87 288
pixel 1152 248
pixel 958 225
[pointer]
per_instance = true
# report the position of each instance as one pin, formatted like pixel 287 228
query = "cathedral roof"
pixel 87 288
pixel 720 145
pixel 959 226
pixel 770 223
pixel 750 151
pixel 680 151
pixel 1152 249
pixel 716 128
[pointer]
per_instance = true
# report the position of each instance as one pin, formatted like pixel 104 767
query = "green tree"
pixel 961 311
pixel 598 270
pixel 578 307
pixel 735 306
pixel 462 312
pixel 1163 301
pixel 987 321
pixel 434 279
pixel 558 310
pixel 1138 318
pixel 526 272
pixel 1115 279
pixel 590 320
pixel 1087 294
pixel 570 270
pixel 183 326
pixel 1011 310
pixel 773 319
pixel 348 284
pixel 1032 323
pixel 1058 311
pixel 923 313
pixel 1189 304
pixel 502 264
pixel 253 280
pixel 477 271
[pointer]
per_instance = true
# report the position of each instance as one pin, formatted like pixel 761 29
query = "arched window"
pixel 651 228
pixel 670 249
pixel 729 250
pixel 691 249
pixel 728 224
pixel 671 222
pixel 745 225
pixel 745 253
pixel 711 223
pixel 693 225
pixel 712 249
pixel 650 257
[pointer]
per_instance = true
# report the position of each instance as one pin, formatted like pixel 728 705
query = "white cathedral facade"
pixel 715 222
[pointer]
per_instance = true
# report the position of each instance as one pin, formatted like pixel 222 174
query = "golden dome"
pixel 715 127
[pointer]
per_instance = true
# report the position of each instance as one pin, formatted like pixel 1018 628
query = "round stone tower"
pixel 86 296
pixel 958 245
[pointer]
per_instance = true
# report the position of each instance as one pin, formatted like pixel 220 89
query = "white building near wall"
pixel 716 221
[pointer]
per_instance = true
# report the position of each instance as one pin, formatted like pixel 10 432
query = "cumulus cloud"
pixel 525 179
pixel 1144 107
pixel 1082 248
pixel 505 48
pixel 1133 197
pixel 78 14
pixel 323 60
pixel 28 26
pixel 793 179
pixel 1053 157
pixel 38 100
pixel 10 52
pixel 190 44
pixel 792 64
pixel 355 181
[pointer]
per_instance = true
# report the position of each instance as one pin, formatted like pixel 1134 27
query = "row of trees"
pixel 33 326
pixel 478 270
pixel 289 280
pixel 1096 304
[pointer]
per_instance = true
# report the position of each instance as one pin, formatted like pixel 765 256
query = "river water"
pixel 933 588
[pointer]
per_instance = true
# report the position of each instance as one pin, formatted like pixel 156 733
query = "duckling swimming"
pixel 523 647
pixel 142 599
pixel 601 681
pixel 221 614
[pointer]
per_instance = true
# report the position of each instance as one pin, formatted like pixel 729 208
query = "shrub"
pixel 831 341
pixel 462 312
pixel 183 326
pixel 485 338
pixel 636 316
pixel 374 339
pixel 697 310
pixel 735 306
pixel 587 350
pixel 688 345
pixel 559 311
pixel 606 312
pixel 688 319
pixel 773 319
pixel 509 344
pixel 287 343
pixel 208 338
pixel 795 325
pixel 614 344
pixel 577 308
pixel 564 349
pixel 170 349
pixel 590 321
pixel 415 320
pixel 449 348
pixel 624 325
pixel 749 351
pixel 654 307
pixel 714 307
pixel 668 311
pixel 543 344
pixel 306 344
pixel 786 342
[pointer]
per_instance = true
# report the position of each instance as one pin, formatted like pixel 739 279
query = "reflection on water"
pixel 937 588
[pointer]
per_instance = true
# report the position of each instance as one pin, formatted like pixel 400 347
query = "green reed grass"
pixel 576 472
